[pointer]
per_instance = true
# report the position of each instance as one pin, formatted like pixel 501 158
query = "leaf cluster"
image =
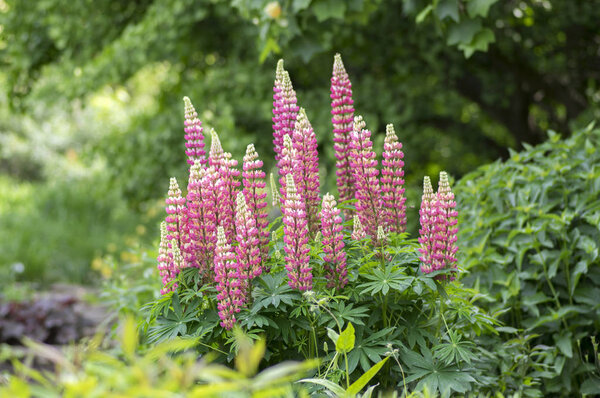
pixel 530 233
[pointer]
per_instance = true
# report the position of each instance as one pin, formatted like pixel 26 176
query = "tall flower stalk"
pixel 228 280
pixel 342 111
pixel 295 237
pixel 176 213
pixel 201 218
pixel 255 193
pixel 163 260
pixel 285 108
pixel 333 244
pixel 438 227
pixel 448 220
pixel 364 170
pixel 194 145
pixel 392 183
pixel 305 168
pixel 247 249
pixel 227 189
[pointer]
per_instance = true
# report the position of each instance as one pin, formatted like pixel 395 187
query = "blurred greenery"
pixel 91 109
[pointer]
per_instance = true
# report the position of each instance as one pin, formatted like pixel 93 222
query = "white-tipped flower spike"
pixel 392 183
pixel 380 234
pixel 194 145
pixel 342 111
pixel 274 192
pixel 215 156
pixel 427 219
pixel 305 168
pixel 248 248
pixel 358 233
pixel 295 230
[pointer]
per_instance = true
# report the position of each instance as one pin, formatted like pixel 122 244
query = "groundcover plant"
pixel 333 278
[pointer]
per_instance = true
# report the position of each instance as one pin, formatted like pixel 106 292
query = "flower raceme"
pixel 342 111
pixel 295 237
pixel 333 244
pixel 438 233
pixel 220 226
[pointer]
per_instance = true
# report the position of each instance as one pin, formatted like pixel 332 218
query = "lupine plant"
pixel 350 288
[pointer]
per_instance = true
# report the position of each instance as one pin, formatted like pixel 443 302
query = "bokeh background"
pixel 91 110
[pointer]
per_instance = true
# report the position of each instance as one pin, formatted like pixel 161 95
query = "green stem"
pixel 347 370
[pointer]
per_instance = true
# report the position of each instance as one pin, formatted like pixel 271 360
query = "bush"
pixel 360 294
pixel 530 233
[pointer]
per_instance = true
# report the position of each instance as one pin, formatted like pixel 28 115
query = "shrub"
pixel 530 233
pixel 358 293
pixel 87 371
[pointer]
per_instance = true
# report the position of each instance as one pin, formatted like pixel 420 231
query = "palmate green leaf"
pixel 347 313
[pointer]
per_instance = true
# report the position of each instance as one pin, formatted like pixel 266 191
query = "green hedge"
pixel 530 236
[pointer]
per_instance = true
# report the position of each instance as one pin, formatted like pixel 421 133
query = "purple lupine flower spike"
pixel 392 183
pixel 215 155
pixel 175 220
pixel 295 237
pixel 305 167
pixel 228 280
pixel 448 214
pixel 248 248
pixel 364 170
pixel 163 260
pixel 342 110
pixel 286 164
pixel 427 215
pixel 201 220
pixel 333 244
pixel 285 109
pixel 227 183
pixel 194 145
pixel 255 192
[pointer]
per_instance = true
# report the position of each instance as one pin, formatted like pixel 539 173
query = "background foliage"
pixel 460 79
pixel 530 233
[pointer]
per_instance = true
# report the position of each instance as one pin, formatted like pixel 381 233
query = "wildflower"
pixel 305 168
pixel 201 218
pixel 275 197
pixel 427 215
pixel 285 109
pixel 392 183
pixel 380 234
pixel 447 222
pixel 358 232
pixel 163 260
pixel 286 164
pixel 296 239
pixel 255 193
pixel 228 280
pixel 215 155
pixel 227 187
pixel 333 244
pixel 364 170
pixel 342 109
pixel 248 249
pixel 194 146
pixel 175 214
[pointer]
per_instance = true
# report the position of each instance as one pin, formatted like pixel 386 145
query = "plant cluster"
pixel 357 293
pixel 530 233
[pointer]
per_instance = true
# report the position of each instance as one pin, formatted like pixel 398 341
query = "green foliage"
pixel 355 331
pixel 530 233
pixel 169 369
pixel 52 231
